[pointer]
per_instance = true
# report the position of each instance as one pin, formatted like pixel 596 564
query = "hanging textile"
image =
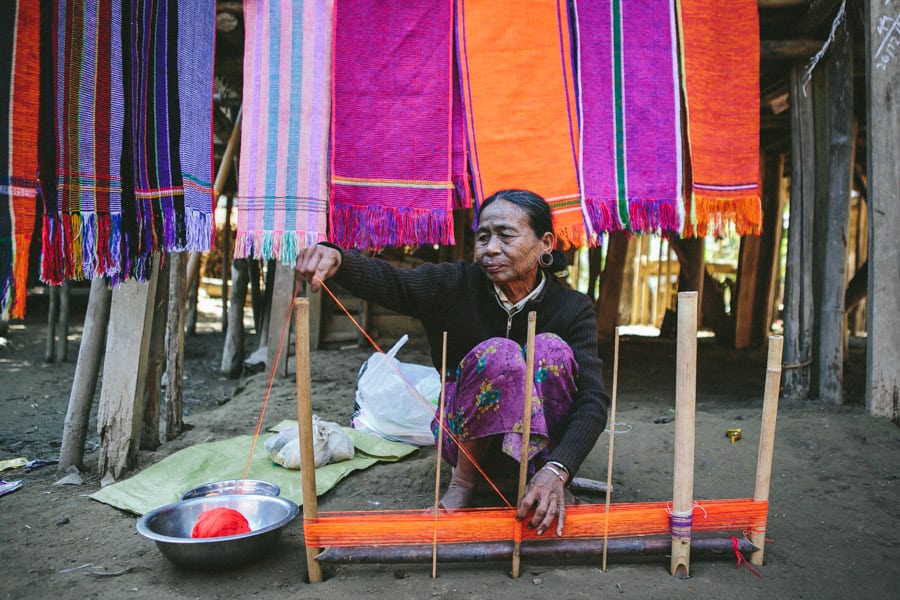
pixel 720 72
pixel 392 172
pixel 519 99
pixel 283 185
pixel 195 69
pixel 631 119
pixel 120 194
pixel 19 85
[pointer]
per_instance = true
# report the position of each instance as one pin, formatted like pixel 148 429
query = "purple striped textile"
pixel 283 184
pixel 196 63
pixel 81 231
pixel 392 168
pixel 628 87
pixel 120 103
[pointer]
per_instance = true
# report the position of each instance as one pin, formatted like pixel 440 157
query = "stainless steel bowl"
pixel 170 527
pixel 233 486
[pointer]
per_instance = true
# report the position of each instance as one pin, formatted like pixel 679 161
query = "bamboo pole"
pixel 526 436
pixel 304 424
pixel 440 445
pixel 612 439
pixel 685 396
pixel 550 551
pixel 767 438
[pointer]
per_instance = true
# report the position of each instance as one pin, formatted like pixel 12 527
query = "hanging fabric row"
pixel 367 123
pixel 108 117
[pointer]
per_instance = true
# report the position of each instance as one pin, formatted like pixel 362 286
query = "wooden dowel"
pixel 582 551
pixel 440 445
pixel 685 396
pixel 767 438
pixel 612 439
pixel 526 436
pixel 304 425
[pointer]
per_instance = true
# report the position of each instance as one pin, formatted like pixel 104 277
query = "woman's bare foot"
pixel 459 493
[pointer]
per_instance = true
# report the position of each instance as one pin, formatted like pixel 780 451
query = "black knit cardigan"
pixel 459 298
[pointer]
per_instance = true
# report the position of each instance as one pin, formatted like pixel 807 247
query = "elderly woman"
pixel 483 307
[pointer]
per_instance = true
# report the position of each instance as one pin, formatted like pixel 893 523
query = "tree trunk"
pixel 233 349
pixel 156 360
pixel 175 346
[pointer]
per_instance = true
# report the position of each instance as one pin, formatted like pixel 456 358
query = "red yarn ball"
pixel 219 522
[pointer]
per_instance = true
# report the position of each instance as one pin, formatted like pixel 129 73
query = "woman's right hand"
pixel 317 263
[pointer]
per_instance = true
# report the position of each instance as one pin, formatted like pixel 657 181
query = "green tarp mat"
pixel 165 482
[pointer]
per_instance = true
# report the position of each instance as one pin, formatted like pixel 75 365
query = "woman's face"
pixel 507 248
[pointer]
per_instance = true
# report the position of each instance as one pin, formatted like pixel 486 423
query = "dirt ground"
pixel 834 513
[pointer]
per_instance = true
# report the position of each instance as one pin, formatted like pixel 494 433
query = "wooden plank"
pixel 279 318
pixel 798 296
pixel 834 200
pixel 883 156
pixel 124 374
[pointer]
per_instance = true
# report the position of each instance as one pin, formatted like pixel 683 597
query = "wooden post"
pixel 175 346
pixel 685 396
pixel 611 290
pixel 612 439
pixel 233 348
pixel 304 424
pixel 156 360
pixel 84 382
pixel 835 158
pixel 439 453
pixel 767 438
pixel 883 156
pixel 124 374
pixel 61 351
pixel 747 283
pixel 773 212
pixel 52 312
pixel 526 437
pixel 226 259
pixel 798 293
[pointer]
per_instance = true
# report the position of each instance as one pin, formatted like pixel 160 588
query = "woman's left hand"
pixel 544 495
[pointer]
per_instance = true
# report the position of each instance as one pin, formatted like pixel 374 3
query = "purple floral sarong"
pixel 487 396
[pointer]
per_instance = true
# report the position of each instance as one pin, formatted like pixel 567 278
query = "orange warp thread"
pixel 402 527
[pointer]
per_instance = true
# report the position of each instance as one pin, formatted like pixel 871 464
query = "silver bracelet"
pixel 550 468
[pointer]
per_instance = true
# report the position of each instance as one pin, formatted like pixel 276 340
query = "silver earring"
pixel 546 260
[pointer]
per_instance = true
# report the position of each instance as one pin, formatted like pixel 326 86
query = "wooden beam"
pixel 796 49
pixel 798 296
pixel 883 198
pixel 834 198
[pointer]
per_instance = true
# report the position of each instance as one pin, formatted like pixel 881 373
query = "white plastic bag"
pixel 387 407
pixel 330 444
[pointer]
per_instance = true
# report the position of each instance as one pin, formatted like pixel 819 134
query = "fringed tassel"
pixel 714 215
pixel 200 231
pixel 604 214
pixel 372 227
pixel 52 271
pixel 654 216
pixel 572 236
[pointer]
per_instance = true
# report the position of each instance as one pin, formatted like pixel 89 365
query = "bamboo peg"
pixel 304 424
pixel 685 396
pixel 612 439
pixel 526 435
pixel 440 445
pixel 767 438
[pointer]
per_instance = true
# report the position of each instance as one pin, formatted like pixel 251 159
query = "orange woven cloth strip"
pixel 387 528
pixel 519 100
pixel 720 65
